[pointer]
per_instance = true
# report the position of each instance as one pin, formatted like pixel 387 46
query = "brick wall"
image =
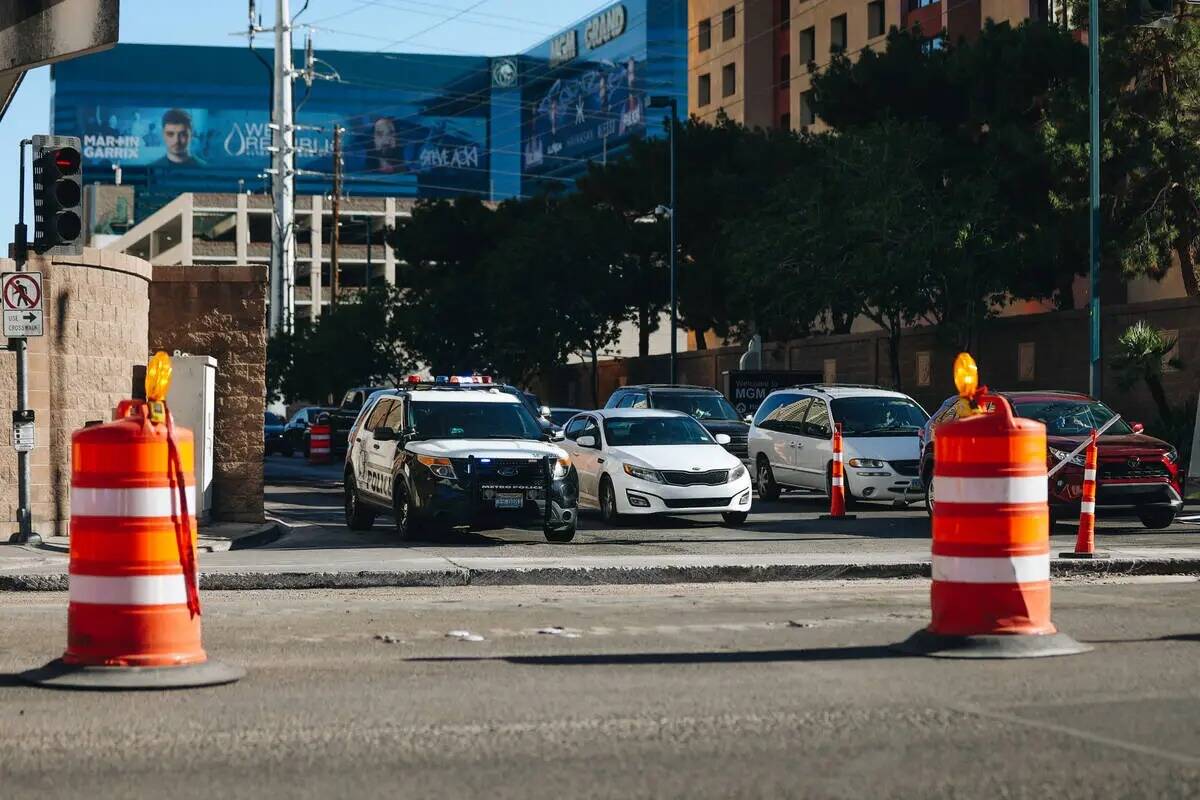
pixel 221 312
pixel 1055 347
pixel 96 307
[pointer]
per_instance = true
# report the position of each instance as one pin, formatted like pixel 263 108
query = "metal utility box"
pixel 192 400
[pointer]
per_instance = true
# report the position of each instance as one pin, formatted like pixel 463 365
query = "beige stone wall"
pixel 96 308
pixel 221 312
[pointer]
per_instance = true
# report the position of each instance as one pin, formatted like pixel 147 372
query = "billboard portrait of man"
pixel 177 138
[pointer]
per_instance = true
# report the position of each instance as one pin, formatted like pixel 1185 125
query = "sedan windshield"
pixel 654 431
pixel 467 420
pixel 272 419
pixel 1071 417
pixel 702 406
pixel 878 416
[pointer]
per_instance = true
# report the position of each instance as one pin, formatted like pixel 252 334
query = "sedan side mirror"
pixel 723 439
pixel 586 441
pixel 1137 427
pixel 385 434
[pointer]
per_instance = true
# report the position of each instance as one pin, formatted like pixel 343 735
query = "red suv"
pixel 1134 469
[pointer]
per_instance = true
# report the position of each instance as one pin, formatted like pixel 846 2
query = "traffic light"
pixel 57 195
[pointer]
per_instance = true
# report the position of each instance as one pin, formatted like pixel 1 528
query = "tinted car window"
pixel 789 417
pixel 590 428
pixel 395 417
pixel 776 408
pixel 699 405
pixel 377 415
pixel 652 431
pixel 472 420
pixel 878 416
pixel 1072 417
pixel 574 428
pixel 816 422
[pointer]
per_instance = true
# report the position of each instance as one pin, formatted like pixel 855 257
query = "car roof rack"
pixel 668 386
pixel 842 386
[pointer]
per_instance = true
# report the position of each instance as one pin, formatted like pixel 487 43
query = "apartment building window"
pixel 728 79
pixel 807 115
pixel 785 14
pixel 704 90
pixel 785 69
pixel 933 43
pixel 808 46
pixel 837 34
pixel 875 19
pixel 728 24
pixel 704 35
pixel 913 5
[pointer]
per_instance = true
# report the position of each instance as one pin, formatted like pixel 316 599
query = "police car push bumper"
pixel 466 485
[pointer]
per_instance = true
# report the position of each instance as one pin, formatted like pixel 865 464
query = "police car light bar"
pixel 453 380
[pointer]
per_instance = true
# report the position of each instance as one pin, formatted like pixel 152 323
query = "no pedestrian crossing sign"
pixel 21 293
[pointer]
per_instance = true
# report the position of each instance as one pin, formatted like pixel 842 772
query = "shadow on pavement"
pixel 1173 637
pixel 853 653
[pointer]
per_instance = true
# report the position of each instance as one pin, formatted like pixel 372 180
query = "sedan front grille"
pixel 908 468
pixel 699 502
pixel 713 477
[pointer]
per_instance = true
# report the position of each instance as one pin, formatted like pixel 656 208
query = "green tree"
pixel 1142 352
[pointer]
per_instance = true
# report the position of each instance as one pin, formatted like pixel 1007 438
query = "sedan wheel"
pixel 608 504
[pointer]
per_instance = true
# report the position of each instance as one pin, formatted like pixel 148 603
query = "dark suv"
pixel 1134 470
pixel 708 406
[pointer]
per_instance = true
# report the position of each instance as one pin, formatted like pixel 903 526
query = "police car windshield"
pixel 878 416
pixel 1072 417
pixel 654 431
pixel 702 406
pixel 471 420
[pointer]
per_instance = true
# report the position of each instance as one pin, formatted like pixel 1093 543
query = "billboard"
pixel 194 139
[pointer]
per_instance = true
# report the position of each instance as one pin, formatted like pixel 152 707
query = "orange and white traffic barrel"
pixel 133 618
pixel 990 596
pixel 837 479
pixel 1085 539
pixel 320 442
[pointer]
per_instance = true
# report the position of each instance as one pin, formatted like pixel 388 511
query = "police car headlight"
pixel 641 473
pixel 736 473
pixel 440 467
pixel 561 467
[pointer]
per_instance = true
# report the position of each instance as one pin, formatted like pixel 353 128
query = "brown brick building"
pixel 754 59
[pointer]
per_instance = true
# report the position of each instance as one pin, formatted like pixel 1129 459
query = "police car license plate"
pixel 510 500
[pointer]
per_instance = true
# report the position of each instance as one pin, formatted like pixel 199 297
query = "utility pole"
pixel 1094 369
pixel 335 269
pixel 283 177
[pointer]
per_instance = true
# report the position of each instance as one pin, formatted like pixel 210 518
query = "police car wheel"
pixel 358 516
pixel 408 526
pixel 559 536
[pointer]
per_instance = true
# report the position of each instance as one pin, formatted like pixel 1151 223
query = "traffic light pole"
pixel 24 534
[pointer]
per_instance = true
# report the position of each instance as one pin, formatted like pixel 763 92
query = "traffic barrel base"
pixel 60 675
pixel 1072 554
pixel 936 645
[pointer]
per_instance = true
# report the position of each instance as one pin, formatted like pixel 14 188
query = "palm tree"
pixel 1142 357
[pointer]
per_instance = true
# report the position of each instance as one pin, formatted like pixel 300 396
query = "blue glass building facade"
pixel 195 119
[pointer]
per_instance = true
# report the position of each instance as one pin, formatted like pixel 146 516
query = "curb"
pixel 605 576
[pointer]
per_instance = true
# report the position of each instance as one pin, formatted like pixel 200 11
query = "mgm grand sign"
pixel 600 30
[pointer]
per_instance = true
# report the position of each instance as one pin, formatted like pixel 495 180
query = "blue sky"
pixel 490 27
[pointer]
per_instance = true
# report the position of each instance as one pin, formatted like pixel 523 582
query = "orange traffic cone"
pixel 1085 539
pixel 990 595
pixel 837 480
pixel 133 619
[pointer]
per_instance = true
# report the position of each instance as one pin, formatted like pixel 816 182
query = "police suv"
pixel 453 452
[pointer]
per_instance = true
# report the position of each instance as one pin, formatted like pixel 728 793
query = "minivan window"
pixel 878 416
pixel 699 405
pixel 770 404
pixel 789 416
pixel 816 422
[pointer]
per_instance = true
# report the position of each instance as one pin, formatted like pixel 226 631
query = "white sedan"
pixel 640 461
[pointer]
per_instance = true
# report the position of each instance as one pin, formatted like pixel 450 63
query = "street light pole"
pixel 1094 371
pixel 674 299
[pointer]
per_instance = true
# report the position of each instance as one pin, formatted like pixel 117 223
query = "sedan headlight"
pixel 561 467
pixel 641 473
pixel 736 473
pixel 866 463
pixel 440 467
pixel 1061 455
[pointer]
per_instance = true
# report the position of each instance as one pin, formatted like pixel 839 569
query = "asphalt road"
pixel 731 690
pixel 311 496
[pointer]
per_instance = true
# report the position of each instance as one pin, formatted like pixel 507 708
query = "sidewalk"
pixel 294 563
